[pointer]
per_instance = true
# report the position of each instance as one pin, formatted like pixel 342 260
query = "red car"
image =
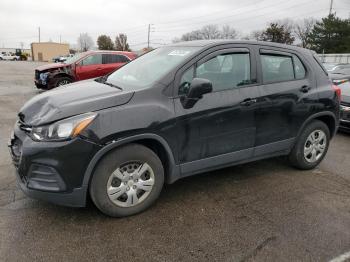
pixel 82 66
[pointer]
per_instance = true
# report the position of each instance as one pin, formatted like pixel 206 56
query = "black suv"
pixel 177 111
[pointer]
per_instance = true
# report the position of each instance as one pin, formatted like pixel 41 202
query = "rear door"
pixel 287 98
pixel 90 67
pixel 112 62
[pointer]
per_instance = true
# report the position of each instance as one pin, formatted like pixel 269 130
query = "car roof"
pixel 215 42
pixel 108 51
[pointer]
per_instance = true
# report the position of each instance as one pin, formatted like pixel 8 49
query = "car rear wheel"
pixel 63 81
pixel 311 146
pixel 127 181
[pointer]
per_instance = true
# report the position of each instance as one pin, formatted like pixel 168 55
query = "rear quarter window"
pixel 318 61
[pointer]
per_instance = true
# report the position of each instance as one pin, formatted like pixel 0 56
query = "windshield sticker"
pixel 179 52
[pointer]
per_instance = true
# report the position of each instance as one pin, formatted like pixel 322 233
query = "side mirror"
pixel 198 88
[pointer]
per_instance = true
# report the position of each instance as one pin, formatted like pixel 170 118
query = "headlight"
pixel 63 129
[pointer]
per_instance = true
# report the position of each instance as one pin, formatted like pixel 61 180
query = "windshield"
pixel 75 58
pixel 150 67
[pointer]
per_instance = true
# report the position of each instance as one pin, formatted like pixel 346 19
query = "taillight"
pixel 337 91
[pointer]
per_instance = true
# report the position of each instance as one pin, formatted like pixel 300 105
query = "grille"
pixel 16 151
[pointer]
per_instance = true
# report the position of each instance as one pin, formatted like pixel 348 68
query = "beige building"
pixel 45 51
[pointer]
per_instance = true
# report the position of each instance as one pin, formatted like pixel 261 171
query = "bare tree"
pixel 303 29
pixel 288 24
pixel 121 43
pixel 255 35
pixel 210 32
pixel 227 32
pixel 85 42
pixel 193 35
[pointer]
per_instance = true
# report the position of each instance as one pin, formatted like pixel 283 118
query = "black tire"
pixel 62 81
pixel 296 156
pixel 112 161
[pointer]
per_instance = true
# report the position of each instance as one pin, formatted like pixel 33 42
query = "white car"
pixel 8 56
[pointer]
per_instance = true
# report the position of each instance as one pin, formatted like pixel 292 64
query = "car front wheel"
pixel 62 81
pixel 311 146
pixel 127 181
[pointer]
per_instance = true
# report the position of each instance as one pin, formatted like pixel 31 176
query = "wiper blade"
pixel 112 85
pixel 103 80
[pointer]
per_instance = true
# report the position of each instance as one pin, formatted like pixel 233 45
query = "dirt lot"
pixel 263 211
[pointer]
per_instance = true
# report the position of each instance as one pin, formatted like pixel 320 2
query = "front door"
pixel 220 127
pixel 90 67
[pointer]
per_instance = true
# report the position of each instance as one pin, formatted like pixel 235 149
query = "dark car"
pixel 176 111
pixel 338 68
pixel 343 82
pixel 82 66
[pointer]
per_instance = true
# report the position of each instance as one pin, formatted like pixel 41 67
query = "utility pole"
pixel 149 33
pixel 331 7
pixel 60 39
pixel 39 33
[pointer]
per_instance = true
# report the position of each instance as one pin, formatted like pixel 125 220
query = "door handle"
pixel 98 68
pixel 248 102
pixel 305 89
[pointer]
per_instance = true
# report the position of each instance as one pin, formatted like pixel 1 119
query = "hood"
pixel 51 66
pixel 82 97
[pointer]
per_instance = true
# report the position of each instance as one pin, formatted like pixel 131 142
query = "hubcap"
pixel 315 146
pixel 130 184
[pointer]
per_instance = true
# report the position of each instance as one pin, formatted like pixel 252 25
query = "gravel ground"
pixel 262 211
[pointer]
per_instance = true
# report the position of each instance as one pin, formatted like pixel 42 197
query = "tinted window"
pixel 298 68
pixel 226 71
pixel 111 59
pixel 150 67
pixel 185 81
pixel 92 60
pixel 276 68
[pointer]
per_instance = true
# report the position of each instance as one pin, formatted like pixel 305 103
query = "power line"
pixel 177 28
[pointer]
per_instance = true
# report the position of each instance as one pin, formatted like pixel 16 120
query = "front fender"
pixel 174 170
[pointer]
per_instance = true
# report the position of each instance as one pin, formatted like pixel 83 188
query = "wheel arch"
pixel 326 117
pixel 152 141
pixel 62 74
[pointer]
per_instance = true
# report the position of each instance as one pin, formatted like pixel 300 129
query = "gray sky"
pixel 20 19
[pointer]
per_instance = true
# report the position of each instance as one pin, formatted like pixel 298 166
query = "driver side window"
pixel 92 60
pixel 225 71
pixel 186 79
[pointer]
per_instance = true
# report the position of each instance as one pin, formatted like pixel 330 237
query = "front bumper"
pixel 76 198
pixel 39 85
pixel 52 171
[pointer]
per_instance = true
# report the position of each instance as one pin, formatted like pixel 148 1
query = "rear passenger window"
pixel 277 68
pixel 111 59
pixel 298 68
